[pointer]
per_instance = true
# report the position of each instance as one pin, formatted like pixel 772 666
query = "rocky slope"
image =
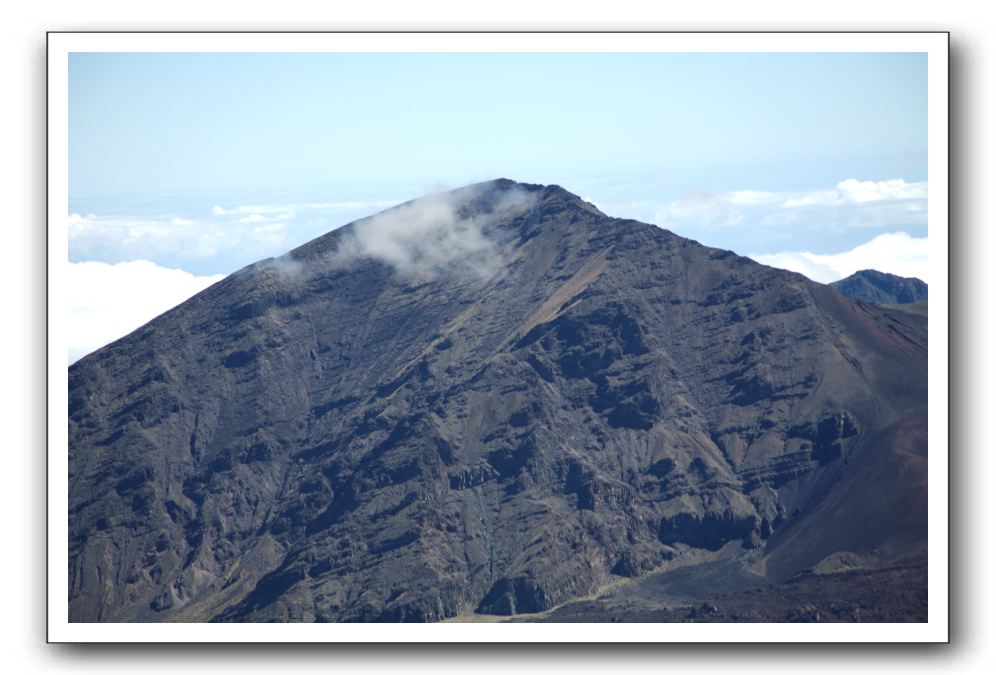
pixel 895 594
pixel 492 401
pixel 882 288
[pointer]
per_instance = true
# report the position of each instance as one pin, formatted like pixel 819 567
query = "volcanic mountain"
pixel 882 288
pixel 491 401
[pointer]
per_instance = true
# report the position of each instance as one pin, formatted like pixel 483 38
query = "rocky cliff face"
pixel 882 288
pixel 493 401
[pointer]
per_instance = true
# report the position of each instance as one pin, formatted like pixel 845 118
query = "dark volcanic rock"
pixel 498 415
pixel 710 531
pixel 520 595
pixel 882 288
pixel 896 594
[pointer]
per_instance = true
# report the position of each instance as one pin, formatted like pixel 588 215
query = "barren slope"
pixel 314 440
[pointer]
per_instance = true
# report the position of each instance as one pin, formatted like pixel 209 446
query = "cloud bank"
pixel 894 252
pixel 850 204
pixel 172 241
pixel 220 239
pixel 106 302
pixel 289 210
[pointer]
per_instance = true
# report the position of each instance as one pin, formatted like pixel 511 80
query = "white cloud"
pixel 850 204
pixel 106 302
pixel 812 198
pixel 225 239
pixel 702 210
pixel 853 191
pixel 281 209
pixel 873 191
pixel 169 239
pixel 895 252
pixel 430 233
pixel 751 197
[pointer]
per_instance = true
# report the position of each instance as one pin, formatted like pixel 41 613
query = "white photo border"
pixel 61 44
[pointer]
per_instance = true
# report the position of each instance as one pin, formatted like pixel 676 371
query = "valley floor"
pixel 893 595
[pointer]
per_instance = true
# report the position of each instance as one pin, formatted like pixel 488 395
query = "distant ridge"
pixel 882 288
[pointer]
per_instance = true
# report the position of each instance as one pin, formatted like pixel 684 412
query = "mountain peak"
pixel 882 288
pixel 495 400
pixel 453 226
pixel 543 194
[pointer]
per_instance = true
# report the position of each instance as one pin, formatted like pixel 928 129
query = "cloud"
pixel 439 231
pixel 751 197
pixel 177 242
pixel 701 209
pixel 874 191
pixel 223 240
pixel 106 302
pixel 850 204
pixel 853 191
pixel 282 209
pixel 895 252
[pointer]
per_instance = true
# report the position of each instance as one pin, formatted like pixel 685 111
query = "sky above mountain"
pixel 203 163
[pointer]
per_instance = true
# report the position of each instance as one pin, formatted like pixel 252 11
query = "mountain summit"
pixel 489 401
pixel 882 288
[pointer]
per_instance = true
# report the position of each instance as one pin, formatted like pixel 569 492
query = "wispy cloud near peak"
pixel 433 232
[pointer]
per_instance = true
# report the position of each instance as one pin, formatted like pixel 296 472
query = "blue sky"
pixel 206 162
pixel 148 123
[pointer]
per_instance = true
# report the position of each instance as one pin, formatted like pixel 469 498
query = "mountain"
pixel 882 288
pixel 492 401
